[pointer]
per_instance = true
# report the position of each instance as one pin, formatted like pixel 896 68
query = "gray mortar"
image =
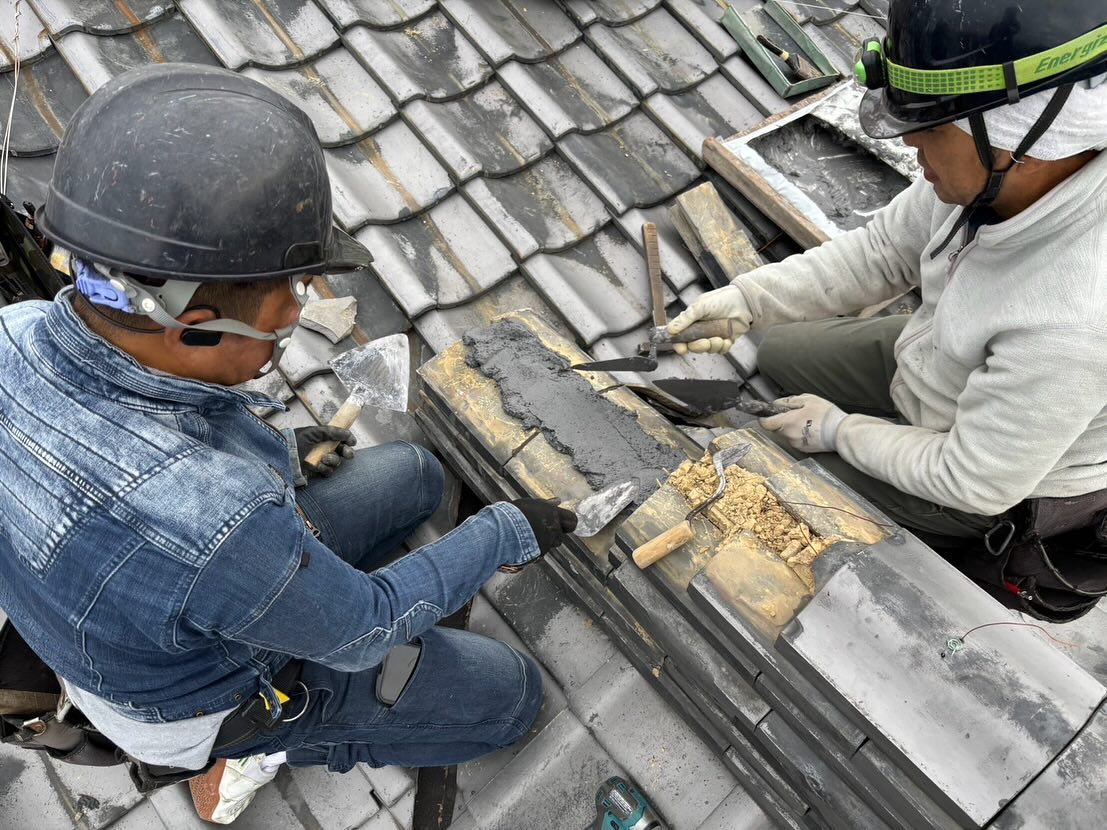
pixel 604 440
pixel 844 180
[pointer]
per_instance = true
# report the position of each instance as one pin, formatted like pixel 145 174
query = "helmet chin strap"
pixel 991 190
pixel 110 288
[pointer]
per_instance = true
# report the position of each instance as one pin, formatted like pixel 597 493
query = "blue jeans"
pixel 469 695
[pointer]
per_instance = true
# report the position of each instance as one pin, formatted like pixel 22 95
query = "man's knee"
pixel 427 470
pixel 778 350
pixel 528 701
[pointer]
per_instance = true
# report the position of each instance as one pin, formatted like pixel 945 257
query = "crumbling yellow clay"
pixel 747 504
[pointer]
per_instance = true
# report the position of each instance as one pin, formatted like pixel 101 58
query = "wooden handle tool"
pixel 344 418
pixel 661 546
pixel 706 329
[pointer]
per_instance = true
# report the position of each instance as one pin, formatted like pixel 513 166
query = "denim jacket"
pixel 151 551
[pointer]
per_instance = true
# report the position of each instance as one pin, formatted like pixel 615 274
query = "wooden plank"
pixel 753 186
pixel 716 240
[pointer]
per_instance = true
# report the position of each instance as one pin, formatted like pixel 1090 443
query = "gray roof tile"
pixel 484 132
pixel 28 178
pixel 655 52
pixel 386 177
pixel 443 327
pixel 267 33
pixel 513 29
pixel 972 728
pixel 102 17
pixel 600 285
pixel 47 96
pixel 677 264
pixel 431 59
pixel 543 208
pixel 841 39
pixel 754 85
pixel 820 11
pixel 443 257
pixel 713 108
pixel 34 39
pixel 876 8
pixel 630 164
pixel 702 17
pixel 613 12
pixel 96 59
pixel 380 14
pixel 571 92
pixel 342 99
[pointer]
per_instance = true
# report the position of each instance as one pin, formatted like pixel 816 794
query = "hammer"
pixel 661 546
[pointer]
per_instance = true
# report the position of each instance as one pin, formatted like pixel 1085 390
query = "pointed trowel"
pixel 375 374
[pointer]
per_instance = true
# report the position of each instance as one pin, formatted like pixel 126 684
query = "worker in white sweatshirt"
pixel 991 399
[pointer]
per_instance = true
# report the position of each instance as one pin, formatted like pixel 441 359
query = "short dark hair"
pixel 230 300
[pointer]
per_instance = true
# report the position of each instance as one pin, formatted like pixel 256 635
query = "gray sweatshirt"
pixel 1002 372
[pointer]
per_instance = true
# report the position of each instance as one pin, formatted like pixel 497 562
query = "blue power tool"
pixel 621 806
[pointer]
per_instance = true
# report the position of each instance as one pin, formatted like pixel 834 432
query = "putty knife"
pixel 706 397
pixel 376 374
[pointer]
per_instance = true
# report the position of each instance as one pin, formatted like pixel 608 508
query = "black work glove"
pixel 549 523
pixel 308 437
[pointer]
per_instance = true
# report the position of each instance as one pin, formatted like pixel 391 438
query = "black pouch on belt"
pixel 1046 557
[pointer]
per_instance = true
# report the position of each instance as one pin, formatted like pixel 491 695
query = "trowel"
pixel 595 512
pixel 706 397
pixel 660 339
pixel 375 374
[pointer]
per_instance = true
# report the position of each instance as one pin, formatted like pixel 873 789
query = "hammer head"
pixel 377 373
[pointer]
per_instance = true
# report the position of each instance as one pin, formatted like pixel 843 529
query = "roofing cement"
pixel 604 440
pixel 844 180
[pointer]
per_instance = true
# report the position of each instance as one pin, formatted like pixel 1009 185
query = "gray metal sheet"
pixel 974 727
pixel 431 58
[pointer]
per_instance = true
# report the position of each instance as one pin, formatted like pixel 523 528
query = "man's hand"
pixel 549 523
pixel 721 304
pixel 308 437
pixel 811 426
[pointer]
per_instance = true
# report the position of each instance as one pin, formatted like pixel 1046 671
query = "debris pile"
pixel 748 504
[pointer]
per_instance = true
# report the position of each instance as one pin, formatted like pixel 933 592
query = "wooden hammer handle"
pixel 706 329
pixel 661 546
pixel 344 418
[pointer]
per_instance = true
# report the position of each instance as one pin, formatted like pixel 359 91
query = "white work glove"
pixel 721 304
pixel 811 426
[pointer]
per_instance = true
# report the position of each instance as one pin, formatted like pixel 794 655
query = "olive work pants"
pixel 850 363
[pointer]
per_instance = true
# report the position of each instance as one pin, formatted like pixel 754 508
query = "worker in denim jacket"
pixel 154 549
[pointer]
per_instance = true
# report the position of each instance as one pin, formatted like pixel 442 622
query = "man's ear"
pixel 191 338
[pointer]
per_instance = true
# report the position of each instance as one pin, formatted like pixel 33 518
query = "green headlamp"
pixel 876 71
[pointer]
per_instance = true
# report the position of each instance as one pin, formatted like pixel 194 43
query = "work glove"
pixel 721 304
pixel 549 523
pixel 307 438
pixel 810 426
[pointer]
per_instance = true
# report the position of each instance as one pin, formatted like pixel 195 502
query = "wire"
pixel 839 509
pixel 11 108
pixel 1065 643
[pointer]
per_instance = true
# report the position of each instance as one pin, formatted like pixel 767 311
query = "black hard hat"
pixel 943 60
pixel 188 172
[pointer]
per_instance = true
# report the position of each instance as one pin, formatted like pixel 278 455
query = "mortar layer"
pixel 604 440
pixel 748 504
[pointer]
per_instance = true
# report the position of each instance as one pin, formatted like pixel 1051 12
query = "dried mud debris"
pixel 748 504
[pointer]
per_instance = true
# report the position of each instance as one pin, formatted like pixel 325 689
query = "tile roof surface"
pixel 494 155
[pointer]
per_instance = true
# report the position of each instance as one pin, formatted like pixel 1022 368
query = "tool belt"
pixel 1046 557
pixel 37 714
